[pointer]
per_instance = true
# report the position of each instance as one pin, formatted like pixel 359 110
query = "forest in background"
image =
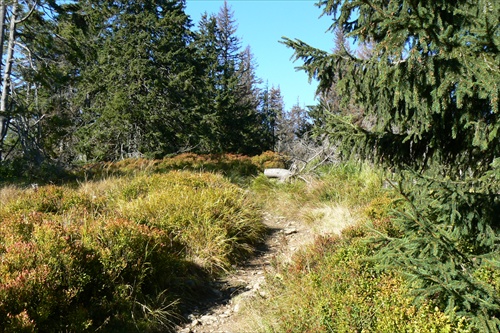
pixel 95 81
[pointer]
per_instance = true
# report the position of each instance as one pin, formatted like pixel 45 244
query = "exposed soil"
pixel 222 312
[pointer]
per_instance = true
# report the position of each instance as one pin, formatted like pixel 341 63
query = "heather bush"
pixel 237 168
pixel 118 254
pixel 335 285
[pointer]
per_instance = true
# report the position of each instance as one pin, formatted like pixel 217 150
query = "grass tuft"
pixel 334 285
pixel 124 252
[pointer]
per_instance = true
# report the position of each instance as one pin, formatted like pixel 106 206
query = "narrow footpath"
pixel 222 313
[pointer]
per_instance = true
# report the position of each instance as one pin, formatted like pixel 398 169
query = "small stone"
pixel 208 319
pixel 290 231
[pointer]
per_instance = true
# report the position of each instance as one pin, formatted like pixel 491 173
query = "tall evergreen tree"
pixel 233 86
pixel 271 109
pixel 432 87
pixel 249 122
pixel 228 84
pixel 276 112
pixel 229 43
pixel 207 55
pixel 137 93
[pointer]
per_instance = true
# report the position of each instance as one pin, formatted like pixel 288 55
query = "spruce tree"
pixel 232 105
pixel 250 138
pixel 207 54
pixel 271 109
pixel 229 93
pixel 138 90
pixel 276 112
pixel 431 87
pixel 433 84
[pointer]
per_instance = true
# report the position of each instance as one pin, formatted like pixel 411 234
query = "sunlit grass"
pixel 129 244
pixel 119 252
pixel 333 285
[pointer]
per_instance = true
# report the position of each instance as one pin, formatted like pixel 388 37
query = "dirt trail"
pixel 222 313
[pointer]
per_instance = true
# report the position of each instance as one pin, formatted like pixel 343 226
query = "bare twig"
pixel 35 3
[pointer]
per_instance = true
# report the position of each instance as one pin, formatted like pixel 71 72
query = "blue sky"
pixel 261 24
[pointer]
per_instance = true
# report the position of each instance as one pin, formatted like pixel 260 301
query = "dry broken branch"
pixel 307 158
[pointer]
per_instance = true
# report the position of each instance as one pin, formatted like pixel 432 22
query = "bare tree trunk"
pixel 3 119
pixel 2 29
pixel 6 81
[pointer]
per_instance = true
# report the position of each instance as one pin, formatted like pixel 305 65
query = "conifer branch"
pixel 28 51
pixel 375 8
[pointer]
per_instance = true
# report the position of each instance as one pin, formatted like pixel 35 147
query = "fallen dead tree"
pixel 304 163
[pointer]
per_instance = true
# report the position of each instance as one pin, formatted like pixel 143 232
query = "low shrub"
pixel 237 168
pixel 332 287
pixel 270 159
pixel 121 254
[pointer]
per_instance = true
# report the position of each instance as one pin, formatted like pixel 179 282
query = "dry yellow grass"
pixel 142 241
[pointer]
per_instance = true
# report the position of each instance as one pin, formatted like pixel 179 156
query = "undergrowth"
pixel 334 285
pixel 331 287
pixel 238 169
pixel 131 244
pixel 124 252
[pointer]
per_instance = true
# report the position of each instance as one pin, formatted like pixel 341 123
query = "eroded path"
pixel 223 312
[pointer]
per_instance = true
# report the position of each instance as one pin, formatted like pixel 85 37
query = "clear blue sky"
pixel 261 24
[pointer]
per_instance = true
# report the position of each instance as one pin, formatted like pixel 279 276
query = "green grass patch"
pixel 334 285
pixel 357 186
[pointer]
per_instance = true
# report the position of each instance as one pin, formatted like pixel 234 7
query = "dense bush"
pixel 118 254
pixel 235 167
